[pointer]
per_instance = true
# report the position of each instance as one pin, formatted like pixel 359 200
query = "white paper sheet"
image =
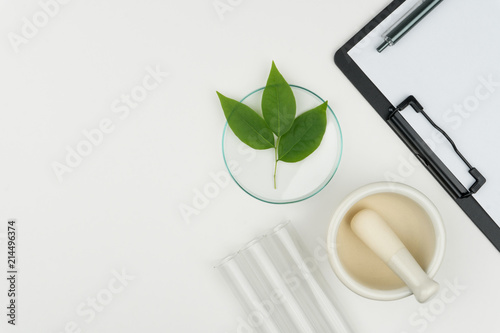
pixel 451 63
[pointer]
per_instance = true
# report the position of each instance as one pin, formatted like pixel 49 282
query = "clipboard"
pixel 439 90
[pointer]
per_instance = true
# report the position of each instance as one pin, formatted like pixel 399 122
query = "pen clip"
pixel 418 3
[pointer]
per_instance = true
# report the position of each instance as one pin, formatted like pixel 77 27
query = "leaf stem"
pixel 276 158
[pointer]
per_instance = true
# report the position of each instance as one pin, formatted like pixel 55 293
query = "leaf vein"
pixel 297 141
pixel 278 101
pixel 256 131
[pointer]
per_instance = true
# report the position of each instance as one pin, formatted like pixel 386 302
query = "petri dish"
pixel 253 170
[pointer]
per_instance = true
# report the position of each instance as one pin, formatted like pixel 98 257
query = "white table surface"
pixel 119 208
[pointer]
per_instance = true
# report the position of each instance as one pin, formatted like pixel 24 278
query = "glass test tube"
pixel 258 256
pixel 285 235
pixel 245 292
pixel 281 287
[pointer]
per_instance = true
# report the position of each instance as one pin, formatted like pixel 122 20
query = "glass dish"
pixel 253 170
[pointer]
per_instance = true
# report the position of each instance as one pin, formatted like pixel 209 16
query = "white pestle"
pixel 371 228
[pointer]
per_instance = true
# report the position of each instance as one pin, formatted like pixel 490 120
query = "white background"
pixel 120 208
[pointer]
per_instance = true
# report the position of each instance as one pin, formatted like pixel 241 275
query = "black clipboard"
pixel 391 114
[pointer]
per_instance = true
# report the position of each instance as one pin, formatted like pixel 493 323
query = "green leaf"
pixel 248 126
pixel 304 136
pixel 278 103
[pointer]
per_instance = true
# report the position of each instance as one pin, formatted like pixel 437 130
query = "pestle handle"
pixel 381 239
